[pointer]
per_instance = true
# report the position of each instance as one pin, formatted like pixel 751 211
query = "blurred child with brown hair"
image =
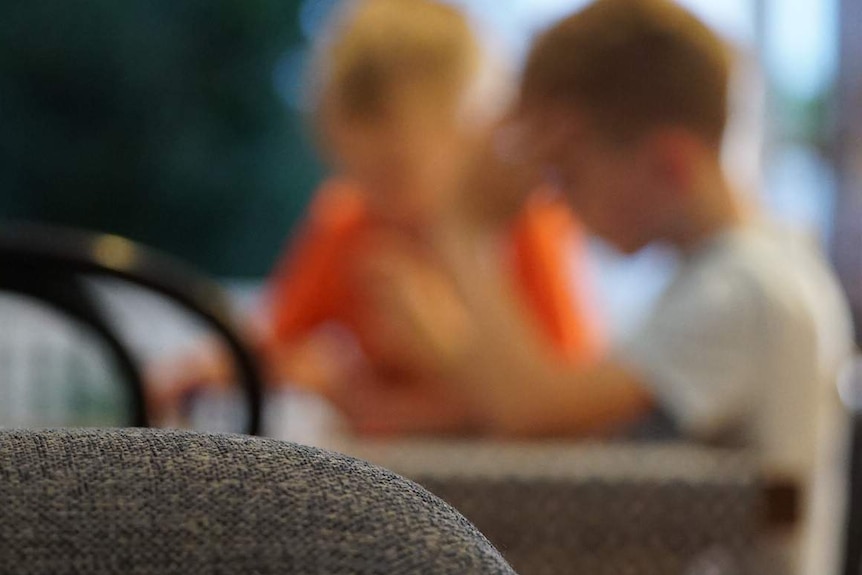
pixel 623 105
pixel 406 100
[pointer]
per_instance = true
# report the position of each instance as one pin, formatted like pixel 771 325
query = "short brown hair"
pixel 377 47
pixel 631 66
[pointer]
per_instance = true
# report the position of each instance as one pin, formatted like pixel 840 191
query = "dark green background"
pixel 156 119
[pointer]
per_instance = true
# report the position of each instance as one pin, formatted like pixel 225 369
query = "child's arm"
pixel 484 359
pixel 299 296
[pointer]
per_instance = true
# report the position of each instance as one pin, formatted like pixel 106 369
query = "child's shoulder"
pixel 338 203
pixel 544 210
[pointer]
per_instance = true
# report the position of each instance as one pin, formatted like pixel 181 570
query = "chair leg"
pixel 853 534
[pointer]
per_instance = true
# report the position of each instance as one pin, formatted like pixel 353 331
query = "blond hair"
pixel 376 49
pixel 631 66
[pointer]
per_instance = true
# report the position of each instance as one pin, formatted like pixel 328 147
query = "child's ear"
pixel 673 159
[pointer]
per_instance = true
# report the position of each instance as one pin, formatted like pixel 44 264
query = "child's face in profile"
pixel 409 168
pixel 612 186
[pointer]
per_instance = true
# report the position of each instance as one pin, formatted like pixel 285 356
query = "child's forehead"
pixel 540 127
pixel 388 133
pixel 542 113
pixel 407 108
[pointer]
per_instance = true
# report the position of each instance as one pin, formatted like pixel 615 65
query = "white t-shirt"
pixel 747 343
pixel 744 340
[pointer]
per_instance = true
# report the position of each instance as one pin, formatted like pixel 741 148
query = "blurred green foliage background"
pixel 161 120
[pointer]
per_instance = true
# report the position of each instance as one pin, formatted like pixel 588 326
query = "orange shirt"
pixel 313 283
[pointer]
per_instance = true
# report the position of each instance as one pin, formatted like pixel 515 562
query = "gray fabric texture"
pixel 154 501
pixel 597 508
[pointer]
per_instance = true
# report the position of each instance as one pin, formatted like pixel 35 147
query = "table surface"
pixel 308 420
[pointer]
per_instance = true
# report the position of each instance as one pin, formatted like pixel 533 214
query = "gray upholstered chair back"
pixel 164 502
pixel 598 508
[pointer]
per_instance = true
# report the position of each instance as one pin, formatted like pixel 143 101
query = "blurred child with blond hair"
pixel 405 105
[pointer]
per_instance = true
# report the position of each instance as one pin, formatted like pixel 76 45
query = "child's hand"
pixel 419 319
pixel 323 361
pixel 374 406
pixel 168 385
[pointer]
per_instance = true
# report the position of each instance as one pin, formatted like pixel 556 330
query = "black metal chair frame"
pixel 49 264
